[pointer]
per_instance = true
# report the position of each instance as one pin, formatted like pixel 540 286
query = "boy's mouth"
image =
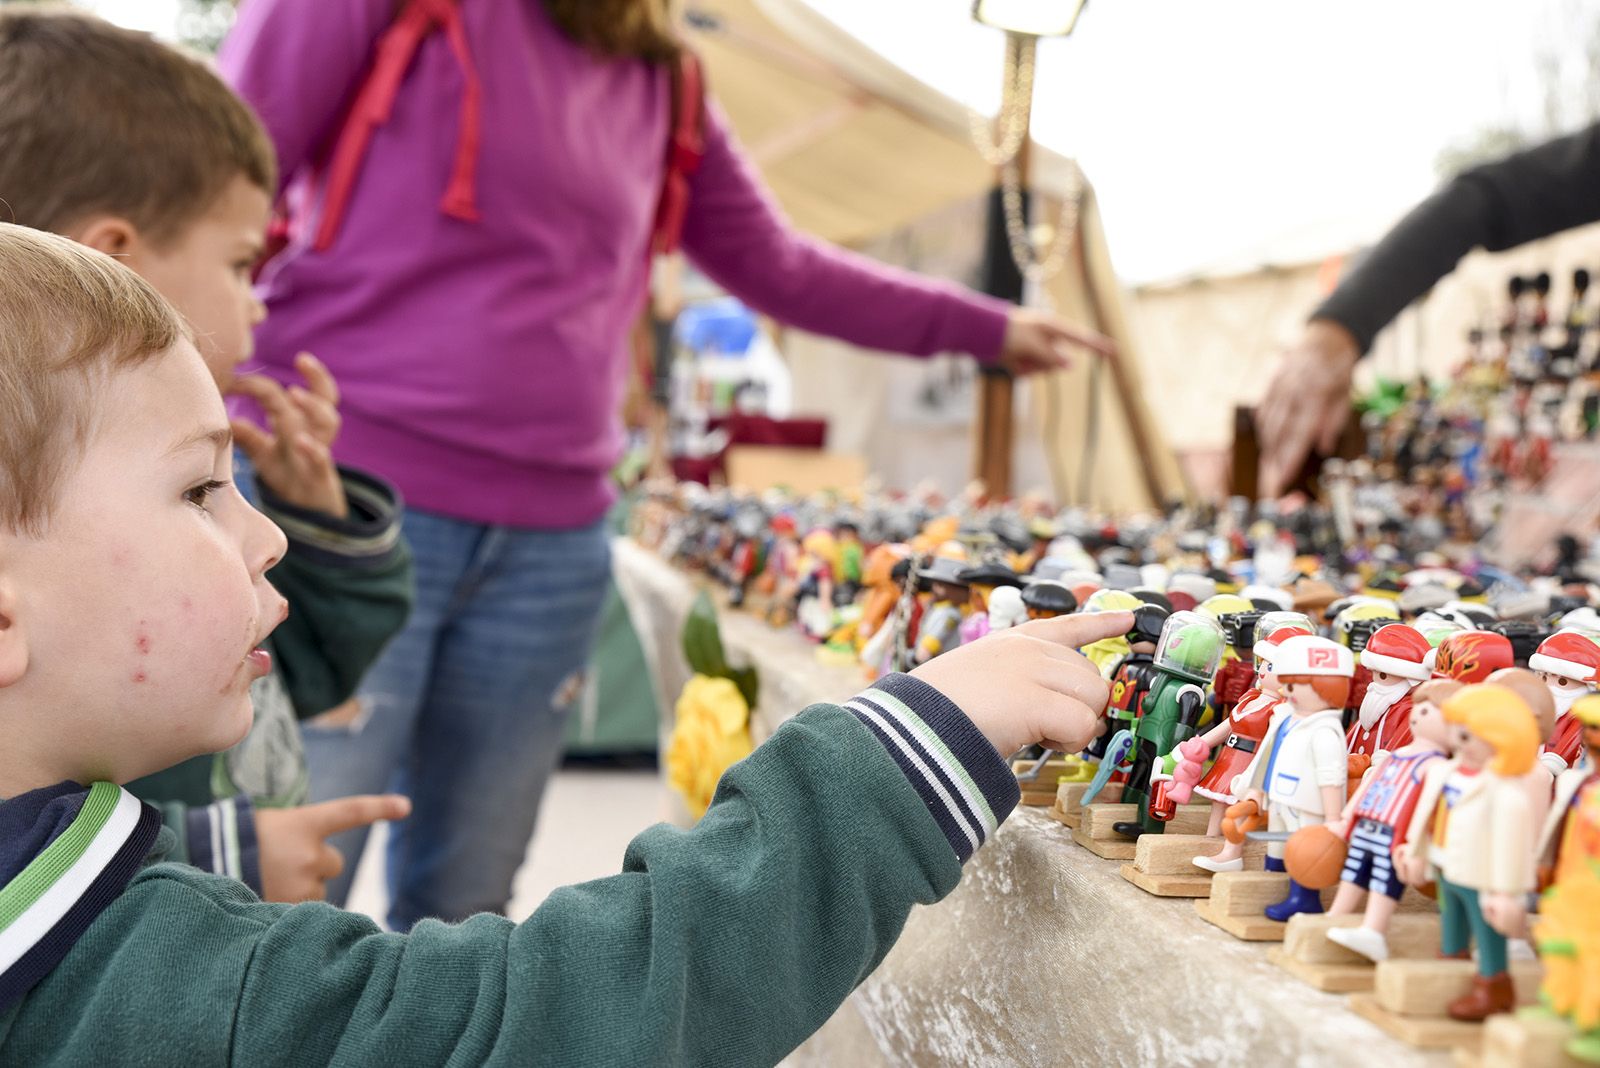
pixel 258 661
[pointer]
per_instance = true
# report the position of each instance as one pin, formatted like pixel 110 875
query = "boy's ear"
pixel 13 646
pixel 111 234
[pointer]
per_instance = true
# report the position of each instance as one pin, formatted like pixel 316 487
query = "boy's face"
pixel 141 610
pixel 205 273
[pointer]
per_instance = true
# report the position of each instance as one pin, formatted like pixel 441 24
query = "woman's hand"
pixel 1306 404
pixel 1038 340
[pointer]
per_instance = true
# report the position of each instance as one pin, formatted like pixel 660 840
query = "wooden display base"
pixel 1163 864
pixel 1236 901
pixel 1411 998
pixel 1041 791
pixel 1068 808
pixel 1534 1040
pixel 1311 957
pixel 1117 848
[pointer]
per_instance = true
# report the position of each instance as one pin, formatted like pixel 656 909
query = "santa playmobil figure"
pixel 1567 662
pixel 1395 655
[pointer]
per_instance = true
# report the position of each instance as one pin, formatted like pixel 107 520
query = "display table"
pixel 1044 954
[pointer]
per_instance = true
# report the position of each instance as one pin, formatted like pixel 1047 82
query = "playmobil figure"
pixel 1377 817
pixel 851 562
pixel 1473 826
pixel 816 578
pixel 1046 599
pixel 1299 775
pixel 1185 663
pixel 1567 661
pixel 1569 920
pixel 882 592
pixel 1567 839
pixel 1107 654
pixel 1237 672
pixel 1472 656
pixel 1006 609
pixel 1394 656
pixel 982 580
pixel 940 630
pixel 1136 673
pixel 1240 735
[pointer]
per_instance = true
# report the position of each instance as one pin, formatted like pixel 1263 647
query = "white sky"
pixel 1233 127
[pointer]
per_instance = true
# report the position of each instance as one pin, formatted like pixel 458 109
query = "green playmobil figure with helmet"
pixel 1185 663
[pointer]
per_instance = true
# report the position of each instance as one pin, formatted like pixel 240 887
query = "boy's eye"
pixel 199 495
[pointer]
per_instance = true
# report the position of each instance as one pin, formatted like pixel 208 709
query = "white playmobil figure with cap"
pixel 1396 655
pixel 1240 734
pixel 1567 661
pixel 1298 776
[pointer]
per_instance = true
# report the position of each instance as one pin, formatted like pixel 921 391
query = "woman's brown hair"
pixel 626 29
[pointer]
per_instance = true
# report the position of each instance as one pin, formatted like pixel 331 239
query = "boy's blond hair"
pixel 96 119
pixel 68 317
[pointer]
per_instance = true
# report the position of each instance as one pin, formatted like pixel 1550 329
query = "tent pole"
pixel 994 434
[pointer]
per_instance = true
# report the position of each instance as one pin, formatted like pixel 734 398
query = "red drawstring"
pixel 374 105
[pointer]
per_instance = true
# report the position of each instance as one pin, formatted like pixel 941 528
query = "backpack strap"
pixel 686 148
pixel 374 104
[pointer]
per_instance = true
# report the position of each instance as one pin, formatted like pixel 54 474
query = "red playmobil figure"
pixel 1567 662
pixel 1394 654
pixel 1240 734
pixel 1298 774
pixel 1237 675
pixel 1472 656
pixel 1377 818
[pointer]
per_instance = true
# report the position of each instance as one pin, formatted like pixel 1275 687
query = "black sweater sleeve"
pixel 1544 190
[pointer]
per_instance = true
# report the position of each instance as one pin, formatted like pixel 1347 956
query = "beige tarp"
pixel 861 153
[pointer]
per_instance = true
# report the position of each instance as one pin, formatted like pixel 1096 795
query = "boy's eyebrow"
pixel 219 438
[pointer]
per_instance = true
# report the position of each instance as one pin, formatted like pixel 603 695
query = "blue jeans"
pixel 465 710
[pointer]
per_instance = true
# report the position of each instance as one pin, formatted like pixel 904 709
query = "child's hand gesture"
pixel 1030 684
pixel 296 859
pixel 293 456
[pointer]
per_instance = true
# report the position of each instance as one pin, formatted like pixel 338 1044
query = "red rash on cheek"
pixel 139 676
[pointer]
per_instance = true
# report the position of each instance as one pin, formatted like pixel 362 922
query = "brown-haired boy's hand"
pixel 293 456
pixel 1030 684
pixel 296 859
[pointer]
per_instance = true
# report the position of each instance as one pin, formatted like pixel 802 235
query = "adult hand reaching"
pixel 1038 340
pixel 1307 402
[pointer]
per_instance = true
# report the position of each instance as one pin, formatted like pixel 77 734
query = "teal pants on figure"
pixel 1462 923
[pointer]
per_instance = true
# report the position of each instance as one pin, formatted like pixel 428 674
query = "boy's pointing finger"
pixel 1077 630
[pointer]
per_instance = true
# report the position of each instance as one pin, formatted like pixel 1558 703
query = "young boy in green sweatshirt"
pixel 139 150
pixel 134 606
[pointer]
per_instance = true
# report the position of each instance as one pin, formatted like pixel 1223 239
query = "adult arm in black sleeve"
pixel 1496 206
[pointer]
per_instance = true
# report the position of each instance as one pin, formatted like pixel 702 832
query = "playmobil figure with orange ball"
pixel 1298 775
pixel 1375 821
pixel 1239 734
pixel 1473 828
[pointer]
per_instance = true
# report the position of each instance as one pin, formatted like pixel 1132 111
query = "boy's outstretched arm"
pixel 725 944
pixel 349 583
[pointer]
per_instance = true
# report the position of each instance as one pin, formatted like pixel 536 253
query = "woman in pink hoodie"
pixel 472 287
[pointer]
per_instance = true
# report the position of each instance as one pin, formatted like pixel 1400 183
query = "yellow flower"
pixel 712 732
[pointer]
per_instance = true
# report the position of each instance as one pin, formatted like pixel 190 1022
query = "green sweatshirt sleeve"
pixel 728 943
pixel 219 838
pixel 349 584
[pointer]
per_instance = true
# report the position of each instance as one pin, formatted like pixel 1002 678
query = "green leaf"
pixel 749 684
pixel 702 639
